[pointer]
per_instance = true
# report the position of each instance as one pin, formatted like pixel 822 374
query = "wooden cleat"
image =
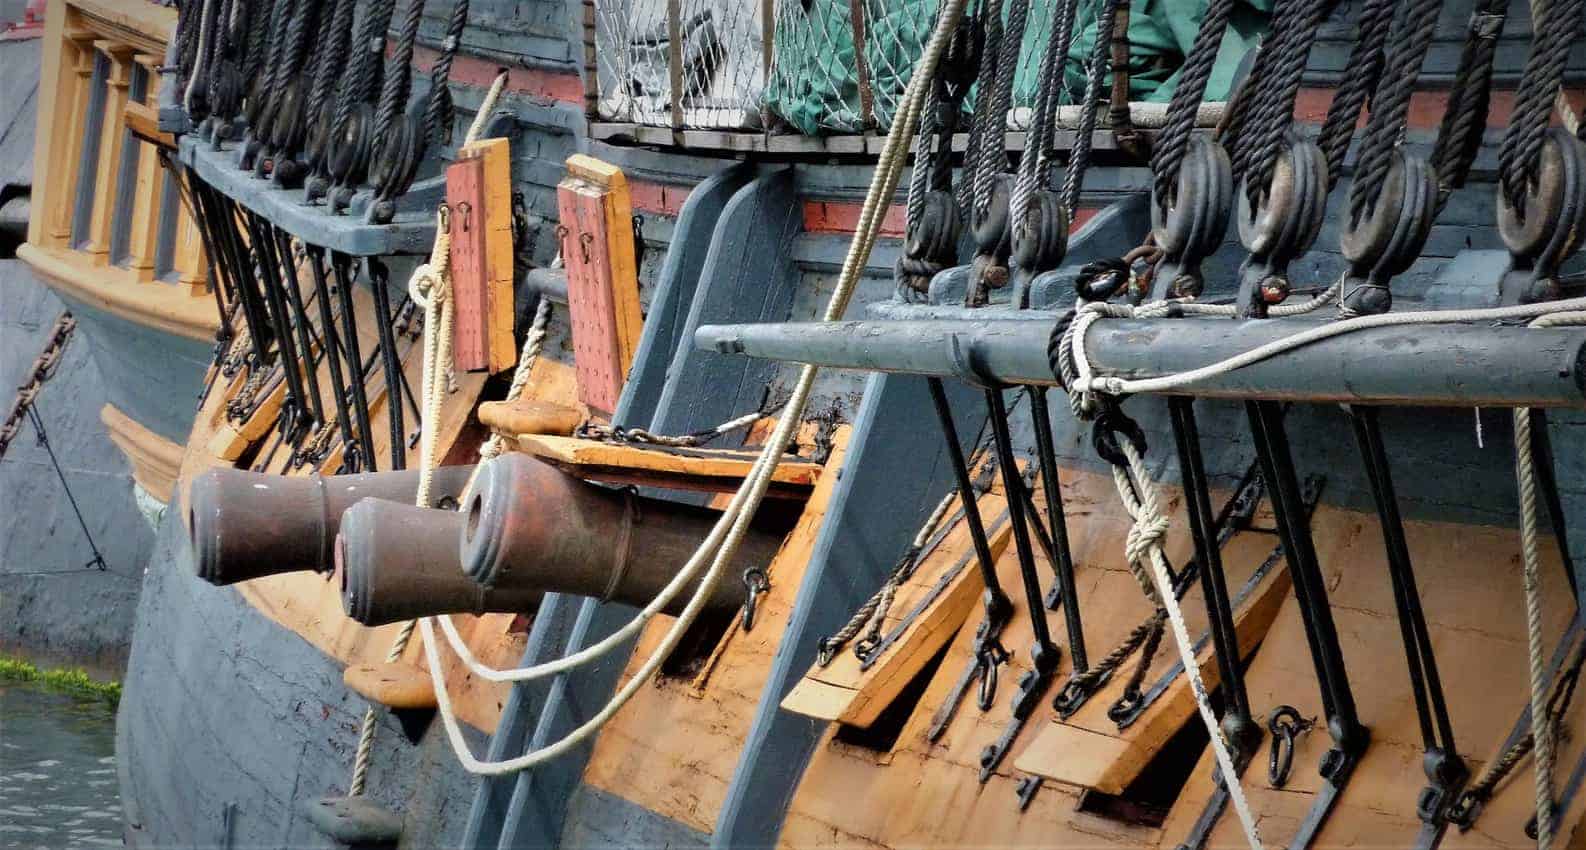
pixel 707 470
pixel 512 419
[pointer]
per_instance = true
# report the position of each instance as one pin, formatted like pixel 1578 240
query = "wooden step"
pixel 707 470
pixel 396 686
pixel 512 419
pixel 944 591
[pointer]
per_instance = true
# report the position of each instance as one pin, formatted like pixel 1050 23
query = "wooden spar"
pixel 1458 365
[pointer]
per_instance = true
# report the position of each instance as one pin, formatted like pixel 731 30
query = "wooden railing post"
pixel 145 224
pixel 113 133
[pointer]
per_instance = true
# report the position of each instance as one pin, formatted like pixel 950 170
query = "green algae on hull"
pixel 75 682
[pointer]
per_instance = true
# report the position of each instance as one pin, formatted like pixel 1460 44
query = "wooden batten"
pixel 479 195
pixel 512 419
pixel 708 470
pixel 673 749
pixel 107 173
pixel 596 215
pixel 946 589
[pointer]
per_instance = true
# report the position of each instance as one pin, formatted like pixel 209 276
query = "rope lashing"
pixel 1144 546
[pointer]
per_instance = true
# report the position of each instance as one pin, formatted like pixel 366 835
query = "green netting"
pixel 814 85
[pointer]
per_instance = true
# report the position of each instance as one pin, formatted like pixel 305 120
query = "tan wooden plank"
pixel 673 749
pixel 112 133
pixel 711 470
pixel 868 692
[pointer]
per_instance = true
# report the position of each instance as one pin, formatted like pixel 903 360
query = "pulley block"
pixel 395 165
pixel 1282 226
pixel 1038 242
pixel 1547 228
pixel 1388 237
pixel 1190 226
pixel 932 242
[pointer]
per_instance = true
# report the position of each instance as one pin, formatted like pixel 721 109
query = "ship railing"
pixel 106 203
pixel 807 72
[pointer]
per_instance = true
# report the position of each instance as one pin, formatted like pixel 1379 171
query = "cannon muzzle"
pixel 246 525
pixel 529 525
pixel 399 562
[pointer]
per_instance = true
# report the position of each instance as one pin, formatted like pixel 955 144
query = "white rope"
pixel 1541 718
pixel 430 289
pixel 1085 382
pixel 730 528
pixel 1145 547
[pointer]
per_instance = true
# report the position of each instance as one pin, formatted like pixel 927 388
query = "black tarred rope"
pixel 438 113
pixel 1172 142
pixel 1390 107
pixel 1555 26
pixel 1465 119
pixel 1365 71
pixel 1261 136
pixel 399 74
pixel 1079 157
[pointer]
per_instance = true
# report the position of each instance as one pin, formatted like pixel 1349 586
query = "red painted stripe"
pixel 480 73
pixel 658 198
pixel 843 217
pixel 1426 107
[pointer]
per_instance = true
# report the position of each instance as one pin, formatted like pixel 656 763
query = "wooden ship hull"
pixel 244 704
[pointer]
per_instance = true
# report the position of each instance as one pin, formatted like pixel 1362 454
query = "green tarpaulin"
pixel 814 85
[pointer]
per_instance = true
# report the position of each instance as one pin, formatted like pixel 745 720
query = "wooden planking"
pixel 844 692
pixel 673 749
pixel 709 470
pixel 851 796
pixel 1050 754
pixel 1471 592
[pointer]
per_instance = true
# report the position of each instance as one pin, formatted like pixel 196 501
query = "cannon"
pixel 399 562
pixel 247 525
pixel 529 526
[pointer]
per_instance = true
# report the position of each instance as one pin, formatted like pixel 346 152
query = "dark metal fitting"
pixel 989 658
pixel 1286 725
pixel 755 584
pixel 1074 695
pixel 1444 768
pixel 1100 280
pixel 1125 707
pixel 1275 289
pixel 1465 809
pixel 1111 423
pixel 1045 658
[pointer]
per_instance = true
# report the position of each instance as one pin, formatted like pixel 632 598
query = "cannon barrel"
pixel 399 562
pixel 1461 365
pixel 246 525
pixel 531 525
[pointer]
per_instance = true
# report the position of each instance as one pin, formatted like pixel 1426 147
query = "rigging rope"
pixel 1413 27
pixel 723 541
pixel 1365 69
pixel 1556 26
pixel 1171 143
pixel 1079 157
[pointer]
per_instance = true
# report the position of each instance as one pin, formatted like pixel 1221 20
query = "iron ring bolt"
pixel 989 658
pixel 756 582
pixel 1285 724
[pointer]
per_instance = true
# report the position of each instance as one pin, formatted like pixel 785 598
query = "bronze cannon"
pixel 530 527
pixel 247 525
pixel 399 561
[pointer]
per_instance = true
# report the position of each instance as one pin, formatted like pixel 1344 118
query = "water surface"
pixel 57 770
